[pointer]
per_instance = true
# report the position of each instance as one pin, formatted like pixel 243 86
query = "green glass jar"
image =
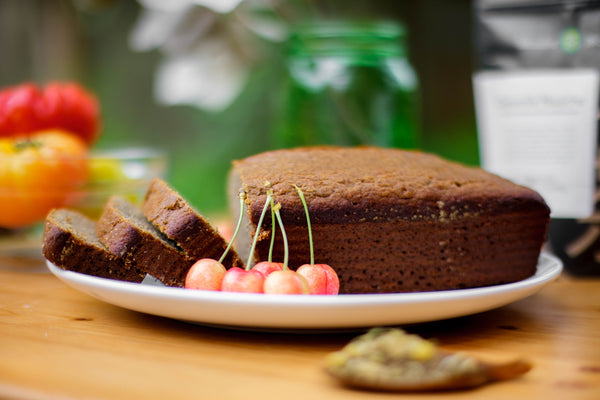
pixel 348 84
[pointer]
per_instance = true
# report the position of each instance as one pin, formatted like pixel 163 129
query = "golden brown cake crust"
pixel 369 183
pixel 178 220
pixel 391 220
pixel 70 243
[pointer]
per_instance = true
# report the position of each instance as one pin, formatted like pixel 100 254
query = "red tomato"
pixel 37 173
pixel 17 109
pixel 27 108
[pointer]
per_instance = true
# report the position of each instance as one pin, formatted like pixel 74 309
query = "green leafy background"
pixel 56 40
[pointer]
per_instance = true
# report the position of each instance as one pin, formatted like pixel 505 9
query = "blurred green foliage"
pixel 43 40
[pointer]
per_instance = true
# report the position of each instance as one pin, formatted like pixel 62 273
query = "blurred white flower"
pixel 209 47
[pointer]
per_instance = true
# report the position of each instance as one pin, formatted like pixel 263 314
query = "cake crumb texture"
pixel 126 232
pixel 70 242
pixel 180 222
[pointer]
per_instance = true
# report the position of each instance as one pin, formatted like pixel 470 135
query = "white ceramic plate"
pixel 295 312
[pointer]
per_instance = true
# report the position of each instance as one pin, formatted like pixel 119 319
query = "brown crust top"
pixel 179 221
pixel 369 183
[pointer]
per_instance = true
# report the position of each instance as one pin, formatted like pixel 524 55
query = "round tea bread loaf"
pixel 390 220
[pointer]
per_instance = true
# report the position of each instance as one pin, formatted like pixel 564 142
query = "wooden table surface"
pixel 56 342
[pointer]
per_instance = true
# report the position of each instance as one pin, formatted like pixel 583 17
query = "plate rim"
pixel 311 313
pixel 548 268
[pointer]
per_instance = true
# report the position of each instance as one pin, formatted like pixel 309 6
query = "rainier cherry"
pixel 286 282
pixel 241 280
pixel 267 267
pixel 205 274
pixel 247 280
pixel 321 278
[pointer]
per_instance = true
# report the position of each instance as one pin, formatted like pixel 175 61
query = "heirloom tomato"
pixel 38 172
pixel 28 108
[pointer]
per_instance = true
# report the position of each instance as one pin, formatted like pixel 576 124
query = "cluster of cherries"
pixel 266 276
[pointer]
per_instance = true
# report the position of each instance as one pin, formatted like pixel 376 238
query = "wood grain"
pixel 58 343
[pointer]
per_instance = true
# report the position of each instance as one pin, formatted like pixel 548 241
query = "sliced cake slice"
pixel 70 242
pixel 126 232
pixel 180 222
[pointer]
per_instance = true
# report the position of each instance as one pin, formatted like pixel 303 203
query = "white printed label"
pixel 538 128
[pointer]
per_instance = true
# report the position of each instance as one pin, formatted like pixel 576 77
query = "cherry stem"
pixel 310 239
pixel 273 229
pixel 260 221
pixel 242 195
pixel 275 208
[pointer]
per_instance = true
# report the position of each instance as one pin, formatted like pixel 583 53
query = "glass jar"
pixel 348 84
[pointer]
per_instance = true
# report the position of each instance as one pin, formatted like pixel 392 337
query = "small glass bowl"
pixel 125 171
